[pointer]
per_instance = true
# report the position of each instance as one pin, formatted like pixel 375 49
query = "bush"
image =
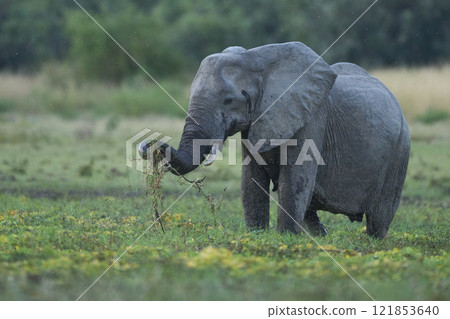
pixel 96 56
pixel 433 116
pixel 6 105
pixel 166 35
pixel 138 101
pixel 31 32
pixel 58 93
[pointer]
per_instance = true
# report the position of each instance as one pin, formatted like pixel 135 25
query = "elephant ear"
pixel 302 79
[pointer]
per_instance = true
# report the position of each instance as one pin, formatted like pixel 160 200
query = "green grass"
pixel 422 92
pixel 433 116
pixel 69 207
pixel 56 91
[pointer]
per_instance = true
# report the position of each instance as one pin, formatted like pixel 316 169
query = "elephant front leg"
pixel 296 185
pixel 255 201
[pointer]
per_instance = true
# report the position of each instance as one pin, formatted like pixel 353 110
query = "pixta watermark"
pixel 141 148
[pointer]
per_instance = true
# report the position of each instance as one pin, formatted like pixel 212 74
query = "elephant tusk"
pixel 212 156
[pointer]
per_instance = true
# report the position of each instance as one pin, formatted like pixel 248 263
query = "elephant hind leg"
pixel 312 222
pixel 380 217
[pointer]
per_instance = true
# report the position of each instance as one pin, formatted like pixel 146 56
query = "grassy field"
pixel 69 207
pixel 56 90
pixel 419 90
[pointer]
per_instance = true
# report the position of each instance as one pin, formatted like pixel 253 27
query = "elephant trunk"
pixel 190 152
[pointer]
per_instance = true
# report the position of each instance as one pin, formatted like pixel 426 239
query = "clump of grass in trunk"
pixel 153 179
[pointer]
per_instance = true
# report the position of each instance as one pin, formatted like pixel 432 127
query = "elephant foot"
pixel 315 227
pixel 257 226
pixel 376 226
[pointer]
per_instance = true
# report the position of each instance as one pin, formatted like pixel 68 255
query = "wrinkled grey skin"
pixel 354 120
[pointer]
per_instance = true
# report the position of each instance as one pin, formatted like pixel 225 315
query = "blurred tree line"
pixel 172 36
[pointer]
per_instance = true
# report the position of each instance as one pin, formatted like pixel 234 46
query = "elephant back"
pixel 346 68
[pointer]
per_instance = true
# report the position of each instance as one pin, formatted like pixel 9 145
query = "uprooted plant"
pixel 153 190
pixel 153 178
pixel 214 203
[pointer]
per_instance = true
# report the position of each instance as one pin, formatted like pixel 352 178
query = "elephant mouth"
pixel 235 127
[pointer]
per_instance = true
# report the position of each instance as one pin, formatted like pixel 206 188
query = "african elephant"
pixel 286 92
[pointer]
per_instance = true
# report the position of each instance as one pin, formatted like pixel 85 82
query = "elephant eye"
pixel 227 101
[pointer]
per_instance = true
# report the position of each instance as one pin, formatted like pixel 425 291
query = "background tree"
pixel 174 36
